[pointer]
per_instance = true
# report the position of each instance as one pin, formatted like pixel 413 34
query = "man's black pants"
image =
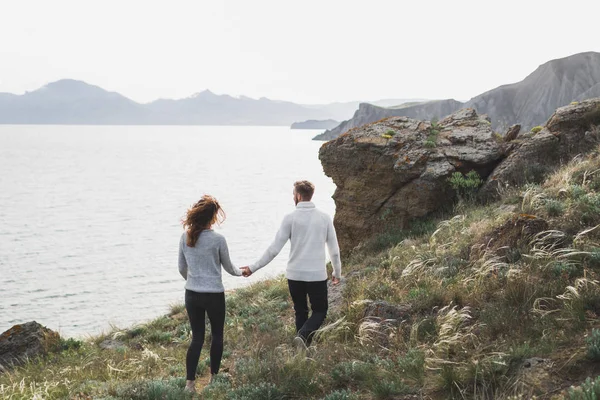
pixel 316 292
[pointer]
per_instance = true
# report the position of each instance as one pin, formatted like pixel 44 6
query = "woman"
pixel 202 251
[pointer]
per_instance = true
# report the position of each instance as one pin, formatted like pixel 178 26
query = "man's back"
pixel 309 230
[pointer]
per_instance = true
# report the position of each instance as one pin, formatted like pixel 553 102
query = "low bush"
pixel 593 345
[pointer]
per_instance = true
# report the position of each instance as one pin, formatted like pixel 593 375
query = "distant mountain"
pixel 368 113
pixel 70 102
pixel 552 85
pixel 529 102
pixel 315 124
pixel 74 102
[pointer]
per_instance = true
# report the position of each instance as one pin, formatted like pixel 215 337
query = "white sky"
pixel 309 51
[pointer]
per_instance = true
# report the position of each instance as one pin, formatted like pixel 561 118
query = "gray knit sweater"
pixel 200 265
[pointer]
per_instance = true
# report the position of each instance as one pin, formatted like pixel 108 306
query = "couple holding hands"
pixel 202 252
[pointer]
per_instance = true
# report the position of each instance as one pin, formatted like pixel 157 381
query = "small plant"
pixel 386 136
pixel 593 346
pixel 384 390
pixel 340 395
pixel 429 144
pixel 412 365
pixel 261 391
pixel 536 129
pixel 465 185
pixel 554 208
pixel 390 132
pixel 589 390
pixel 574 103
pixel 346 373
pixel 69 344
pixel 160 337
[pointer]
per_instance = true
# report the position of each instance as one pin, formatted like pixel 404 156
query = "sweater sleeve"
pixel 281 238
pixel 334 249
pixel 183 267
pixel 226 260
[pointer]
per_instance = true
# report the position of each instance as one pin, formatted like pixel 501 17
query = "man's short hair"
pixel 305 189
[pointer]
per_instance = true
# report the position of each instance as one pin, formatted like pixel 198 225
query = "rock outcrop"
pixel 572 130
pixel 368 113
pixel 26 341
pixel 396 170
pixel 393 171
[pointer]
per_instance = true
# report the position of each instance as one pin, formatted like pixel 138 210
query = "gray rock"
pixel 512 133
pixel 23 342
pixel 571 131
pixel 383 183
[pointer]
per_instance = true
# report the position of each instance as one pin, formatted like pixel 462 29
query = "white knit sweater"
pixel 309 231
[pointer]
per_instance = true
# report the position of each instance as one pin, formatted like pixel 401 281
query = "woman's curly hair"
pixel 202 215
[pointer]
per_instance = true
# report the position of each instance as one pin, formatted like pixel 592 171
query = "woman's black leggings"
pixel 197 305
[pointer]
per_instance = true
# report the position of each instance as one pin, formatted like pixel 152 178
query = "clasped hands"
pixel 246 272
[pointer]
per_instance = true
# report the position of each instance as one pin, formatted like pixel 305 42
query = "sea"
pixel 90 216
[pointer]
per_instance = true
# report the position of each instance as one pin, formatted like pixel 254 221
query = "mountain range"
pixel 75 102
pixel 529 102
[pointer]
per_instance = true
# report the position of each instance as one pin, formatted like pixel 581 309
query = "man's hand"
pixel 335 281
pixel 246 271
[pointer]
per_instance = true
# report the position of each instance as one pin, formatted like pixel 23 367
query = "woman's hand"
pixel 246 271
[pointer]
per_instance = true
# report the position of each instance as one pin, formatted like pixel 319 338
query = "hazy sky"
pixel 308 51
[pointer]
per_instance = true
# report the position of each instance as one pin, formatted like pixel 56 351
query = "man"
pixel 309 230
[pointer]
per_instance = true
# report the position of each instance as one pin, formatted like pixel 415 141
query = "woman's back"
pixel 201 265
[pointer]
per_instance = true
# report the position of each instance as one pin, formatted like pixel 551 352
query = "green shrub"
pixel 536 129
pixel 349 372
pixel 137 331
pixel 577 191
pixel 450 380
pixel 594 257
pixel 159 337
pixel 429 144
pixel 465 185
pixel 593 345
pixel 218 389
pixel 565 270
pixel 390 132
pixel 172 389
pixel 384 390
pixel 69 344
pixel 589 390
pixel 412 365
pixel 261 391
pixel 340 395
pixel 554 208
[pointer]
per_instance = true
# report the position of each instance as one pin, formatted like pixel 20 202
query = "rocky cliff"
pixel 570 131
pixel 368 113
pixel 396 170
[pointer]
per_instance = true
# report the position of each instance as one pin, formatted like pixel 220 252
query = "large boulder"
pixel 395 170
pixel 572 130
pixel 23 342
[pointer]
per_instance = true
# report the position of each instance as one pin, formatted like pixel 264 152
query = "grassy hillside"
pixel 496 308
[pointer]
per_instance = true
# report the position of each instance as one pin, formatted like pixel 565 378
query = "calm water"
pixel 89 215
